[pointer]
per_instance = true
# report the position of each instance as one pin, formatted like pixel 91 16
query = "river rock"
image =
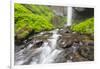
pixel 65 43
pixel 77 58
pixel 67 40
pixel 87 52
pixel 88 42
pixel 37 43
pixel 65 30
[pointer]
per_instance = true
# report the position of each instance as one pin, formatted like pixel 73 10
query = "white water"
pixel 47 53
pixel 50 52
pixel 69 16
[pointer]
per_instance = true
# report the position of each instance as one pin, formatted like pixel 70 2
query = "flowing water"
pixel 69 16
pixel 47 53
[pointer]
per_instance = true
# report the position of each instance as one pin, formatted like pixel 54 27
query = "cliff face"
pixel 80 14
pixel 59 10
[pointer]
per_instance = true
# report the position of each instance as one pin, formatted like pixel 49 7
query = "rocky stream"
pixel 56 46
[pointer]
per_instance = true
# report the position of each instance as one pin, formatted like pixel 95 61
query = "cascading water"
pixel 69 16
pixel 44 54
pixel 49 58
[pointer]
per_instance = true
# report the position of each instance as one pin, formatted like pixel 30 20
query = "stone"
pixel 37 43
pixel 88 42
pixel 65 43
pixel 78 58
pixel 76 40
pixel 87 52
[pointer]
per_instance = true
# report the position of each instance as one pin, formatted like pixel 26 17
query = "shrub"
pixel 45 11
pixel 27 21
pixel 85 27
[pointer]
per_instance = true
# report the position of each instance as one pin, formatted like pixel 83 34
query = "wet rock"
pixel 67 40
pixel 80 43
pixel 78 58
pixel 91 43
pixel 69 56
pixel 61 31
pixel 78 47
pixel 37 43
pixel 75 44
pixel 43 36
pixel 65 30
pixel 88 42
pixel 87 52
pixel 22 47
pixel 76 40
pixel 63 43
pixel 68 44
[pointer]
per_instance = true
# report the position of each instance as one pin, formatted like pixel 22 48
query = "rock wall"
pixel 59 10
pixel 80 14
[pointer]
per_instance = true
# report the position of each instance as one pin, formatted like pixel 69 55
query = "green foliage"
pixel 27 21
pixel 85 27
pixel 18 8
pixel 42 10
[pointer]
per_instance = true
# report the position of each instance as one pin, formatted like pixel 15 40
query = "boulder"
pixel 87 52
pixel 37 43
pixel 64 42
pixel 67 40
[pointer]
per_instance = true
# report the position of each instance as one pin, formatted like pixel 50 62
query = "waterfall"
pixel 69 16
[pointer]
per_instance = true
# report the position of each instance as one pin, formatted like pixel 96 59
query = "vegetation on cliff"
pixel 84 27
pixel 29 18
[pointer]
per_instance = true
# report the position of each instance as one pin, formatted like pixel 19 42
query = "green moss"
pixel 27 21
pixel 42 10
pixel 22 8
pixel 85 27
